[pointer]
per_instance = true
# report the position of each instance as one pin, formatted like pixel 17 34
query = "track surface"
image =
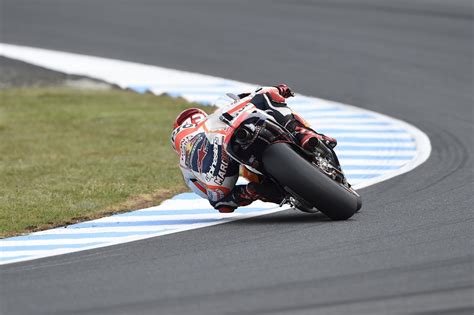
pixel 410 250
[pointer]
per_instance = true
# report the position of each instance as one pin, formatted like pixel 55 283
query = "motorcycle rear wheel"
pixel 300 177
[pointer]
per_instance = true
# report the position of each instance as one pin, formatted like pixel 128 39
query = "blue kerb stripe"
pixel 373 140
pixel 13 257
pixel 178 211
pixel 359 123
pixel 342 147
pixel 139 88
pixel 374 157
pixel 225 83
pixel 48 247
pixel 80 235
pixel 198 92
pixel 338 116
pixel 147 223
pixel 222 83
pixel 174 94
pixel 296 101
pixel 186 196
pixel 370 167
pixel 175 87
pixel 318 110
pixel 335 130
pixel 361 176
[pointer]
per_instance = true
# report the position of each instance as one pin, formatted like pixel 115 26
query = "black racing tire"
pixel 359 203
pixel 292 171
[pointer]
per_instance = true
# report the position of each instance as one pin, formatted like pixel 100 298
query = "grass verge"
pixel 68 156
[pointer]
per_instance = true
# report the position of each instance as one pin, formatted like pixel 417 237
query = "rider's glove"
pixel 245 194
pixel 284 90
pixel 241 195
pixel 330 141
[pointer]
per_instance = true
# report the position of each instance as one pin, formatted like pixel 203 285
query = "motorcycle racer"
pixel 211 173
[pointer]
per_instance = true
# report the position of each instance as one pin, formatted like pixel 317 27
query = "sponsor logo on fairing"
pixel 185 145
pixel 214 173
pixel 216 194
pixel 179 129
pixel 202 152
pixel 192 146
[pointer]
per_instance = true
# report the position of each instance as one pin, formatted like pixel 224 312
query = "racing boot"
pixel 264 190
pixel 243 195
pixel 307 137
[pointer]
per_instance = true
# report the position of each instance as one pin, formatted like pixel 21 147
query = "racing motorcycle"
pixel 309 181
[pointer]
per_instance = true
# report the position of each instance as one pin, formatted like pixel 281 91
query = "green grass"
pixel 67 155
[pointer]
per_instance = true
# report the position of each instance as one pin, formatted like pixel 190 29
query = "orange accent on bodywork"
pixel 180 136
pixel 236 108
pixel 249 175
pixel 302 120
pixel 220 131
pixel 200 187
pixel 274 94
pixel 222 188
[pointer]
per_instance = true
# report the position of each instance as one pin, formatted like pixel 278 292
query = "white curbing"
pixel 372 148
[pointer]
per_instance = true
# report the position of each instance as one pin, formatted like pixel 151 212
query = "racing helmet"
pixel 189 116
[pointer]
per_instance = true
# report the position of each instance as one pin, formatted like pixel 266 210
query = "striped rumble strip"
pixel 372 147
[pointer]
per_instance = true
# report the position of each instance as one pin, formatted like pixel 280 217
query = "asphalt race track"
pixel 410 249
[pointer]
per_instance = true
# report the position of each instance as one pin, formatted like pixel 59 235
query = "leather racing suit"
pixel 212 174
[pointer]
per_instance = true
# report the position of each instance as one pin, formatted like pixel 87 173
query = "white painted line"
pixel 62 241
pixel 385 153
pixel 362 172
pixel 117 229
pixel 381 144
pixel 42 254
pixel 371 162
pixel 393 137
pixel 166 217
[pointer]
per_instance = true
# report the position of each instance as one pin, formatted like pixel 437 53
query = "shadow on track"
pixel 287 217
